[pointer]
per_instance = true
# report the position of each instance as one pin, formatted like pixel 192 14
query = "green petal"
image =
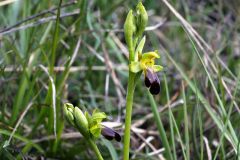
pixel 96 130
pixel 157 68
pixel 98 116
pixel 135 67
pixel 150 55
pixel 139 48
pixel 88 117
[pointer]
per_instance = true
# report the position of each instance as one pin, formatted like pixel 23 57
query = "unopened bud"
pixel 69 110
pixel 129 31
pixel 81 121
pixel 142 19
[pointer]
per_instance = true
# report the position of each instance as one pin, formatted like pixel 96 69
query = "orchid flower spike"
pixel 96 128
pixel 90 126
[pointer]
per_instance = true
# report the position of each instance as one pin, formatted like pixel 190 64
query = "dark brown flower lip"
pixel 152 81
pixel 110 134
pixel 155 88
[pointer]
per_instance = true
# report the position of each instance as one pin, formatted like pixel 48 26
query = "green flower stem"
pixel 160 126
pixel 128 116
pixel 95 149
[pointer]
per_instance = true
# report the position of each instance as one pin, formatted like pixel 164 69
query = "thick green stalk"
pixel 95 149
pixel 160 127
pixel 128 116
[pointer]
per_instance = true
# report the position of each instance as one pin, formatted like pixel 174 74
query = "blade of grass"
pixel 232 132
pixel 186 130
pixel 52 90
pixel 172 135
pixel 6 2
pixel 23 139
pixel 55 40
pixel 111 149
pixel 171 118
pixel 199 118
pixel 194 131
pixel 225 123
pixel 205 103
pixel 160 127
pixel 67 68
pixel 24 34
pixel 18 123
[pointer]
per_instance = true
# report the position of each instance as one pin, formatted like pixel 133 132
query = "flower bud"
pixel 81 121
pixel 129 31
pixel 68 110
pixel 141 19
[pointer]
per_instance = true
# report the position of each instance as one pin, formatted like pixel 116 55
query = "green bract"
pixel 139 49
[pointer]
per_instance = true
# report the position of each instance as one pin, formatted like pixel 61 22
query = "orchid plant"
pixel 139 63
pixel 90 126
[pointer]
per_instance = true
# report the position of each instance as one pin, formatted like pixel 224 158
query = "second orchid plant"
pixel 90 126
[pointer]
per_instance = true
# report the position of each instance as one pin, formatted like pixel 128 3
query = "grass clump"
pixel 57 52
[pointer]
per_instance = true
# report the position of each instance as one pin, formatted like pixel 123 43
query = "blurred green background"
pixel 89 69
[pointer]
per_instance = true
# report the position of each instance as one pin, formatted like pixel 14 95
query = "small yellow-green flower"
pixel 90 126
pixel 94 122
pixel 146 62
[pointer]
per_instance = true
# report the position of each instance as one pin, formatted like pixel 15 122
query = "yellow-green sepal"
pixel 150 55
pixel 157 68
pixel 95 129
pixel 98 116
pixel 94 121
pixel 135 67
pixel 138 52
